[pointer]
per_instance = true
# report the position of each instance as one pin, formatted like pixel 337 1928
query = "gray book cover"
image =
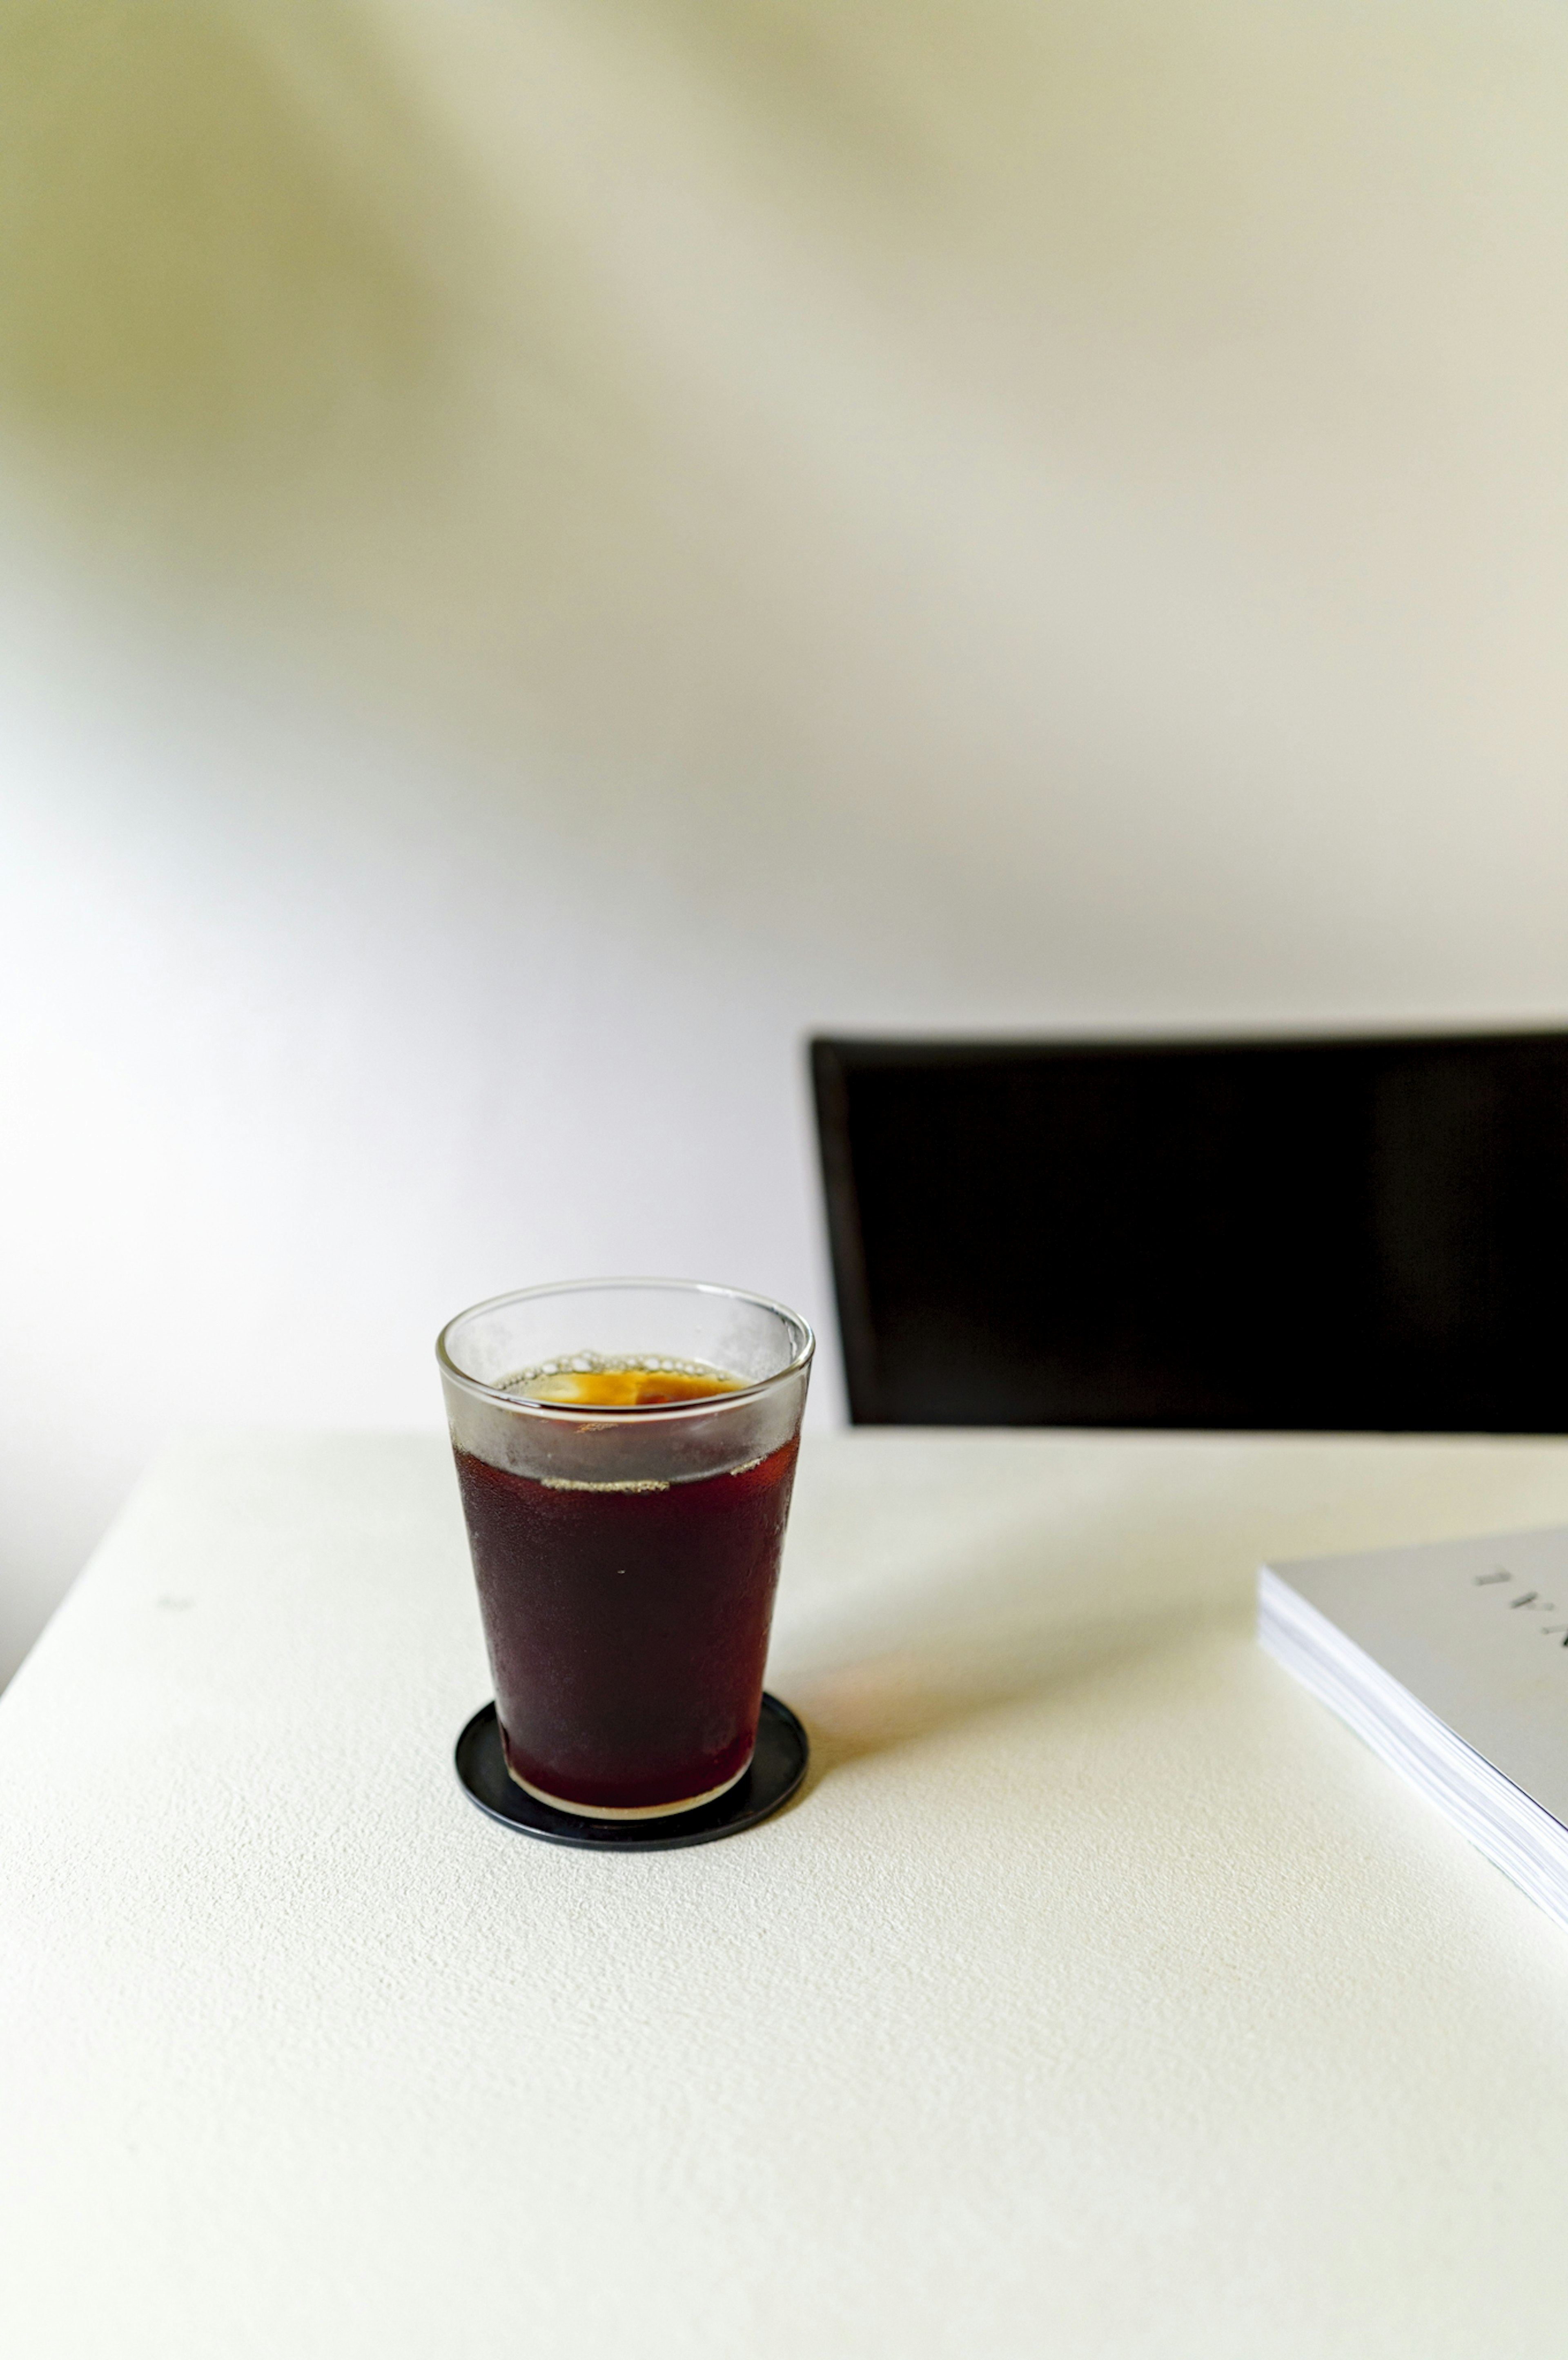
pixel 1451 1659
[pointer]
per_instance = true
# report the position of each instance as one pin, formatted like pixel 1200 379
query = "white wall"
pixel 551 550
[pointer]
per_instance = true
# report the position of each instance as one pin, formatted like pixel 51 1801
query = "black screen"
pixel 1324 1235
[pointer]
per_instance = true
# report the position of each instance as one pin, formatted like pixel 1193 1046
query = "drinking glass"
pixel 626 1558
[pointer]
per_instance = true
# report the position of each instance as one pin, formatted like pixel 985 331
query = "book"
pixel 1451 1660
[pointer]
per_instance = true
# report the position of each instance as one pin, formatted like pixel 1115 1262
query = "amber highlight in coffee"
pixel 636 1385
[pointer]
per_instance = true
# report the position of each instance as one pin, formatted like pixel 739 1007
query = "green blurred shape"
pixel 209 225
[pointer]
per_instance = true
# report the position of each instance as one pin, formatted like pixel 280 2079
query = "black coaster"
pixel 776 1768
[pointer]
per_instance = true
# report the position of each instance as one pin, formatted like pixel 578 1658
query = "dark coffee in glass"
pixel 625 1509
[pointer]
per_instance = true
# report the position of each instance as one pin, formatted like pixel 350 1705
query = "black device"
pixel 1341 1235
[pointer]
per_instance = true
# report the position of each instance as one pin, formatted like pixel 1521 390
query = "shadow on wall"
pixel 206 232
pixel 780 408
pixel 231 230
pixel 266 233
pixel 221 225
pixel 268 328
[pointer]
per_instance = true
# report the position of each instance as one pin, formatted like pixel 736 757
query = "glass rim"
pixel 650 1412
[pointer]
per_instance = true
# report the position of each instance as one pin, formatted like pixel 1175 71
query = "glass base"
pixel 777 1767
pixel 646 1811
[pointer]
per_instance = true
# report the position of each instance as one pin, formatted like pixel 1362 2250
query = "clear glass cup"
pixel 626 1557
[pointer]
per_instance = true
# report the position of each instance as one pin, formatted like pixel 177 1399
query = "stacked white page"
pixel 1451 1660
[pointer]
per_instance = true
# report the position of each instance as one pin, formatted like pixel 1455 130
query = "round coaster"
pixel 776 1768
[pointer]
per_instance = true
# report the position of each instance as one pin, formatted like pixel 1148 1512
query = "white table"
pixel 1100 1996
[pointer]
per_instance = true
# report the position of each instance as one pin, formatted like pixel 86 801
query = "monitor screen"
pixel 1312 1235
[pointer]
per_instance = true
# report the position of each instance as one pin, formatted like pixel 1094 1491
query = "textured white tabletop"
pixel 1100 1996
